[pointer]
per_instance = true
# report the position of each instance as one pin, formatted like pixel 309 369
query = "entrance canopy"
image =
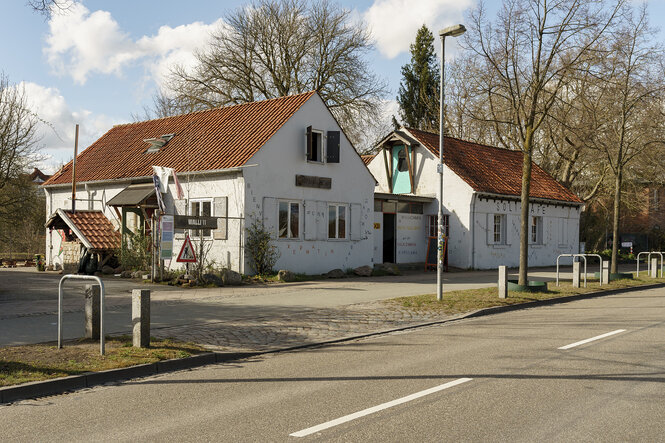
pixel 133 195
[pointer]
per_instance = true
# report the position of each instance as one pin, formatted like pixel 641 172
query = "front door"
pixel 388 238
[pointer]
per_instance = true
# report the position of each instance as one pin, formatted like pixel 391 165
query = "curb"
pixel 75 382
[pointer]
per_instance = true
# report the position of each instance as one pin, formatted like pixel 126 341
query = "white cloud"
pixel 394 23
pixel 81 43
pixel 57 125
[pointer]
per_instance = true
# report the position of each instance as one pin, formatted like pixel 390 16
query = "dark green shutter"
pixel 332 148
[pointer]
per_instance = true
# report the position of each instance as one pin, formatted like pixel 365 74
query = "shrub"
pixel 135 252
pixel 263 254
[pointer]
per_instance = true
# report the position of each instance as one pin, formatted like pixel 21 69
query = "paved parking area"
pixel 253 317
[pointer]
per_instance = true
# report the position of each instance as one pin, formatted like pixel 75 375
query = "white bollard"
pixel 503 282
pixel 653 270
pixel 576 274
pixel 605 277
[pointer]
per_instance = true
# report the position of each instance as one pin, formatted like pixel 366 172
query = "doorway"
pixel 388 238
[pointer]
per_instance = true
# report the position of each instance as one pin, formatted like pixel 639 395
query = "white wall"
pixel 560 233
pixel 274 178
pixel 225 253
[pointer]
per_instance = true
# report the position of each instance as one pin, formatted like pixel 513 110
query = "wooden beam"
pixel 389 175
pixel 408 165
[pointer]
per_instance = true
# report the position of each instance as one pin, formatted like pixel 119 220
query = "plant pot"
pixel 532 286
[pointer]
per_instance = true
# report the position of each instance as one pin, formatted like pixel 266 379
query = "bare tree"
pixel 631 114
pixel 275 48
pixel 17 149
pixel 48 7
pixel 527 55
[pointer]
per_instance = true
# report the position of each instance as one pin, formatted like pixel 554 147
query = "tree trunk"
pixel 524 217
pixel 615 220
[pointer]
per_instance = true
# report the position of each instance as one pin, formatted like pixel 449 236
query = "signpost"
pixel 166 237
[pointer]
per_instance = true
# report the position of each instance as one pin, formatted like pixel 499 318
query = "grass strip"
pixel 27 363
pixel 459 302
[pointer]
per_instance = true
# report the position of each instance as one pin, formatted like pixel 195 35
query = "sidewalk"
pixel 246 318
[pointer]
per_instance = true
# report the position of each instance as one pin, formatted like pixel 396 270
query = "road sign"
pixel 186 254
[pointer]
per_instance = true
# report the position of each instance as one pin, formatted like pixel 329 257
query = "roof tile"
pixel 493 170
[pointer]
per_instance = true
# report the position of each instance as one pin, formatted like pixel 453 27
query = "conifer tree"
pixel 419 90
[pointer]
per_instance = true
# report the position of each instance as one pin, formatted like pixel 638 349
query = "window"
pixel 337 221
pixel 410 208
pixel 401 161
pixel 201 208
pixel 536 230
pixel 289 219
pixel 314 145
pixel 499 227
pixel 432 228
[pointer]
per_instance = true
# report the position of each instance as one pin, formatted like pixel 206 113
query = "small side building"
pixel 482 186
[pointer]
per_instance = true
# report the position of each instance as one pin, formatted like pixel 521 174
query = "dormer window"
pixel 157 143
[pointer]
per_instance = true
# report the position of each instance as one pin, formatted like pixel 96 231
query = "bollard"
pixel 576 274
pixel 503 282
pixel 92 311
pixel 653 270
pixel 605 275
pixel 141 318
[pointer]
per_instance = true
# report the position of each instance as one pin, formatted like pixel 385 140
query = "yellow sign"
pixel 377 225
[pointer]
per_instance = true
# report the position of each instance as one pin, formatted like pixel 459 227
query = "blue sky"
pixel 102 61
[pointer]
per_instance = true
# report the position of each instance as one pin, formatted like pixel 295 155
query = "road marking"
pixel 598 337
pixel 368 411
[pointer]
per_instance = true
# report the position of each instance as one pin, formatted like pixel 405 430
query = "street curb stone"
pixel 75 382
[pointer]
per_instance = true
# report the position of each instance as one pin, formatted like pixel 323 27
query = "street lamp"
pixel 450 31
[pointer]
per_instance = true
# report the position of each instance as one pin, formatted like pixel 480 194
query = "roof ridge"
pixel 463 141
pixel 217 108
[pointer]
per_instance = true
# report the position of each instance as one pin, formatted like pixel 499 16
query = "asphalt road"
pixel 496 378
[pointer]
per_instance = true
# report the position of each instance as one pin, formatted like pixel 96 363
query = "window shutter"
pixel 309 143
pixel 513 229
pixel 310 220
pixel 321 217
pixel 180 207
pixel 356 209
pixel 270 216
pixel 220 210
pixel 490 229
pixel 332 147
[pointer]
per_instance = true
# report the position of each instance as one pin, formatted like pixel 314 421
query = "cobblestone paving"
pixel 310 326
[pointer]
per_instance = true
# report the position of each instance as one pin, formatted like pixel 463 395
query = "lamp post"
pixel 450 31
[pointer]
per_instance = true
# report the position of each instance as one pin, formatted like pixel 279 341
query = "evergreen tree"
pixel 419 91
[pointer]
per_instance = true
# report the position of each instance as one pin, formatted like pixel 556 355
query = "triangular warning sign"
pixel 187 254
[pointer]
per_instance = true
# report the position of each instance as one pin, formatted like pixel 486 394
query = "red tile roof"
pixel 367 158
pixel 96 230
pixel 493 170
pixel 206 140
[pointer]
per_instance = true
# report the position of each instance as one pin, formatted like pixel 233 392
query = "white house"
pixel 284 162
pixel 482 186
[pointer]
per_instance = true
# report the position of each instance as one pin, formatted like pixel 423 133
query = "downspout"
pixel 472 228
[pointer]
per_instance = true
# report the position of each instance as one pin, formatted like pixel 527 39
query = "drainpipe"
pixel 472 228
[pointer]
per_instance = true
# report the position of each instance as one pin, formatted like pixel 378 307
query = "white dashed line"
pixel 598 337
pixel 368 411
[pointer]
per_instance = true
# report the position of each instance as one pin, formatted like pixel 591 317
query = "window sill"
pixel 316 162
pixel 337 239
pixel 499 246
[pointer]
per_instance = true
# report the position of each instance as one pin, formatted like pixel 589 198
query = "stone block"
pixel 653 270
pixel 141 318
pixel 363 271
pixel 605 275
pixel 92 312
pixel 576 274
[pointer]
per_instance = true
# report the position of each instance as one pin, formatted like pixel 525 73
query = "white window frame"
pixel 537 223
pixel 501 232
pixel 346 221
pixel 289 204
pixel 321 159
pixel 433 227
pixel 192 232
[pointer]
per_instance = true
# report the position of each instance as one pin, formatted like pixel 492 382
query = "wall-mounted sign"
pixel 309 181
pixel 377 225
pixel 195 222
